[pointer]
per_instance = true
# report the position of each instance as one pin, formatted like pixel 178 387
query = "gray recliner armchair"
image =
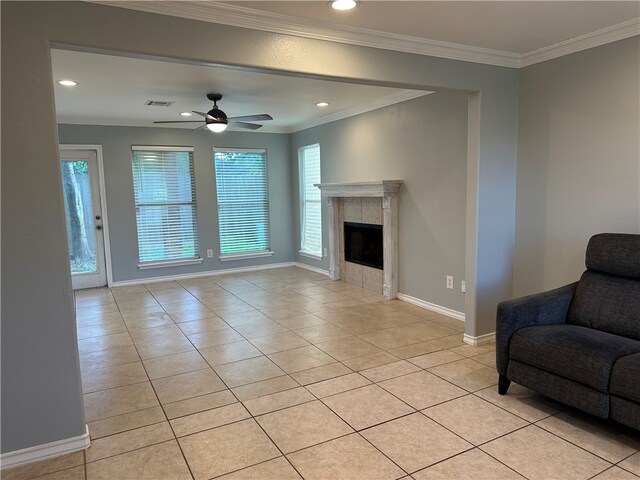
pixel 580 344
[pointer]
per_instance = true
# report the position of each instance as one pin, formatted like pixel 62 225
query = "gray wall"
pixel 41 399
pixel 116 148
pixel 424 143
pixel 578 160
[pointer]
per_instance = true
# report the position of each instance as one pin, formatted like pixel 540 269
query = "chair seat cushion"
pixel 625 378
pixel 578 353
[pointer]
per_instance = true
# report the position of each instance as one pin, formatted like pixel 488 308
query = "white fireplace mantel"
pixel 388 191
pixel 384 188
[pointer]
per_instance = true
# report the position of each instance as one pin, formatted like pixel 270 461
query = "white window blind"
pixel 165 198
pixel 243 201
pixel 310 202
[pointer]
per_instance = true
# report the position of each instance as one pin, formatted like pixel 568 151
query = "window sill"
pixel 310 255
pixel 169 263
pixel 243 256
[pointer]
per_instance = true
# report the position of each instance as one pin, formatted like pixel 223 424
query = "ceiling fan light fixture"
pixel 68 83
pixel 217 127
pixel 343 4
pixel 216 119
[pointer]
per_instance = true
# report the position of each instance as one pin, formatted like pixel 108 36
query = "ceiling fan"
pixel 217 121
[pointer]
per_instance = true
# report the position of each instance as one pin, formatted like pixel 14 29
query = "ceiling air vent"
pixel 158 103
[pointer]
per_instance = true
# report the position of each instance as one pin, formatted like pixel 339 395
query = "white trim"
pixel 309 255
pixel 240 150
pixel 244 256
pixel 603 36
pixel 432 306
pixel 210 273
pixel 312 269
pixel 170 263
pixel 103 202
pixel 302 197
pixel 105 218
pixel 238 16
pixel 244 17
pixel 160 148
pixel 45 451
pixel 480 340
pixel 382 188
pixel 392 99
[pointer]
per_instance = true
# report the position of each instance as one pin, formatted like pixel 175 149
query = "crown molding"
pixel 596 38
pixel 392 99
pixel 237 16
pixel 244 17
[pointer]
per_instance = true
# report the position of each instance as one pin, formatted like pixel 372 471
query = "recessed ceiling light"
pixel 322 104
pixel 343 4
pixel 185 114
pixel 68 83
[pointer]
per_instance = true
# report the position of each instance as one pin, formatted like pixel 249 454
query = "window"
pixel 165 198
pixel 310 213
pixel 243 202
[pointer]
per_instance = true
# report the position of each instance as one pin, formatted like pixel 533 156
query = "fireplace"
pixel 352 202
pixel 363 244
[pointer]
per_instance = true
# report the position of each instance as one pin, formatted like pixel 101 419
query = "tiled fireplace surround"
pixel 359 210
pixel 374 203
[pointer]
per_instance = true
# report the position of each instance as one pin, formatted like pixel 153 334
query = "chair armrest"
pixel 547 308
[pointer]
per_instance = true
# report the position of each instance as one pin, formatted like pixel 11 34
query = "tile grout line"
pixel 254 416
pixel 569 441
pixel 175 438
pixel 474 393
pixel 254 420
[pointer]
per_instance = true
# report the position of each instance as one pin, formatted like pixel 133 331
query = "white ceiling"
pixel 510 26
pixel 113 90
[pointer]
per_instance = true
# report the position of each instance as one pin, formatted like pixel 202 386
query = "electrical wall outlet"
pixel 325 252
pixel 450 282
pixel 463 286
pixel 209 253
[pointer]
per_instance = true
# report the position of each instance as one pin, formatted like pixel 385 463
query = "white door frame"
pixel 103 202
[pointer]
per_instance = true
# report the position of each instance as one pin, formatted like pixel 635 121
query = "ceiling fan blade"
pixel 202 114
pixel 200 127
pixel 252 118
pixel 248 126
pixel 180 121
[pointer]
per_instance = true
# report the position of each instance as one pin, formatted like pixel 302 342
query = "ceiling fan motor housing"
pixel 219 115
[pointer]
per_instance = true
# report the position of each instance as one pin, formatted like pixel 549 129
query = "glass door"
pixel 81 192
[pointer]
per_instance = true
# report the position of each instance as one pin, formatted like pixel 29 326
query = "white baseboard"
pixel 186 276
pixel 432 306
pixel 480 340
pixel 43 452
pixel 312 269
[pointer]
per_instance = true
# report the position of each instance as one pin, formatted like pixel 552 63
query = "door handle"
pixel 98 227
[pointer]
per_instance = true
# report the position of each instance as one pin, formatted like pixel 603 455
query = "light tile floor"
pixel 282 374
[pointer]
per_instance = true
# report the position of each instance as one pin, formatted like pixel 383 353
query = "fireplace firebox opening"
pixel 363 244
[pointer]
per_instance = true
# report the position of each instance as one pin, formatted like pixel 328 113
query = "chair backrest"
pixel 608 294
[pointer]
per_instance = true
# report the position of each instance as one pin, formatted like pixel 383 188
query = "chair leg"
pixel 503 384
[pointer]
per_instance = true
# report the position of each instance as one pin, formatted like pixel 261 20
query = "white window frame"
pixel 302 200
pixel 197 259
pixel 225 257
